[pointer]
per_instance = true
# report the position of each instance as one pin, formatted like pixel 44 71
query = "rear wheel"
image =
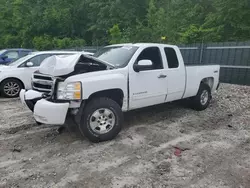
pixel 11 88
pixel 101 120
pixel 202 100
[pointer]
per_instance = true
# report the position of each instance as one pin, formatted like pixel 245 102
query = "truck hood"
pixel 66 64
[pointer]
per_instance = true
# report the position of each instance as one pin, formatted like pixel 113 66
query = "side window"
pixel 37 60
pixel 24 53
pixel 171 57
pixel 153 54
pixel 12 55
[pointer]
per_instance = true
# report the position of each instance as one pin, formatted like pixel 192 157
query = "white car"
pixel 92 92
pixel 17 75
pixel 88 53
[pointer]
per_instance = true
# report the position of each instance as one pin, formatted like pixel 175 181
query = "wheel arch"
pixel 115 94
pixel 209 81
pixel 14 78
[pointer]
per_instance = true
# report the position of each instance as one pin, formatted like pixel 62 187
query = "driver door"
pixel 148 87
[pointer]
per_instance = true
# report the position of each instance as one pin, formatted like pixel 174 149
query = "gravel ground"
pixel 162 146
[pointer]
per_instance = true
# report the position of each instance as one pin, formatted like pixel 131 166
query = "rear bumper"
pixel 44 111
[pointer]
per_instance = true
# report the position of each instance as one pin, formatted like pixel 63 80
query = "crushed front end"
pixel 51 98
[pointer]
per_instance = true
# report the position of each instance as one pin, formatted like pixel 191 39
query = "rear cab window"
pixel 171 57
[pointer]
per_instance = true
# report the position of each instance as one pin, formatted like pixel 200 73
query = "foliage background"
pixel 50 24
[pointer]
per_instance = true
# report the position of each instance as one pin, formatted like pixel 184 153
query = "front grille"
pixel 42 77
pixel 42 83
pixel 42 86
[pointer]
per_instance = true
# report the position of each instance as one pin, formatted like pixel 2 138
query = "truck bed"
pixel 195 73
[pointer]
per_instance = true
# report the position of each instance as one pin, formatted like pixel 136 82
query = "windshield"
pixel 2 51
pixel 20 60
pixel 119 56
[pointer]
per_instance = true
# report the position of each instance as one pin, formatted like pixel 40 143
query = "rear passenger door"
pixel 148 87
pixel 176 74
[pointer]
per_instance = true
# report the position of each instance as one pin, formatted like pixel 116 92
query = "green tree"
pixel 197 33
pixel 49 24
pixel 230 20
pixel 116 35
pixel 153 26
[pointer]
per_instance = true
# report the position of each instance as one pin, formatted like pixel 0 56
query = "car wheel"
pixel 101 120
pixel 202 100
pixel 11 88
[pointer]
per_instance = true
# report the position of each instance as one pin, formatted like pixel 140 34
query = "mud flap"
pixel 218 86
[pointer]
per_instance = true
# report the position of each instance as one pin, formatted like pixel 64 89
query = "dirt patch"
pixel 162 146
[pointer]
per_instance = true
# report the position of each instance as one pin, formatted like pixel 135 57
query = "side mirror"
pixel 29 64
pixel 143 65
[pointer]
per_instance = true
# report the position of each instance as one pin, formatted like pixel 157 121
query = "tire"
pixel 104 114
pixel 15 84
pixel 202 100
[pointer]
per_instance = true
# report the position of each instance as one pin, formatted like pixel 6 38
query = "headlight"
pixel 69 91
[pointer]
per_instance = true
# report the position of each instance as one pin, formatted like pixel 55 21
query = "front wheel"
pixel 202 100
pixel 101 120
pixel 11 88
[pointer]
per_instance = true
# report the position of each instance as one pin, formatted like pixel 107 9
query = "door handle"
pixel 162 76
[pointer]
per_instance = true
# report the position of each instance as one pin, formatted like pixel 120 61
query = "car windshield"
pixel 2 51
pixel 119 56
pixel 20 60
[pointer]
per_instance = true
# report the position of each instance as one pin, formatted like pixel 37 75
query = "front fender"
pixel 96 83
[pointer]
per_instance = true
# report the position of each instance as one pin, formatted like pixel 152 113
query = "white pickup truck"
pixel 93 91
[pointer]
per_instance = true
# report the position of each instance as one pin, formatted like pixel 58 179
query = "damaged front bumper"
pixel 44 111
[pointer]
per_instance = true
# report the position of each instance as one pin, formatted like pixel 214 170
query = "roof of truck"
pixel 142 44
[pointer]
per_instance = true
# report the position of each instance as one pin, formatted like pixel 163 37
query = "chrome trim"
pixel 43 82
pixel 44 75
pixel 53 86
pixel 41 89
